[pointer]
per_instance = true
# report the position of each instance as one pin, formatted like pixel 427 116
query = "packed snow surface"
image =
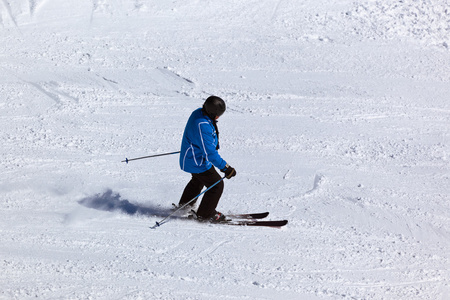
pixel 338 120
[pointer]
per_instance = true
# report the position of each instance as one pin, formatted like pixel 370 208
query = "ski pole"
pixel 186 204
pixel 156 155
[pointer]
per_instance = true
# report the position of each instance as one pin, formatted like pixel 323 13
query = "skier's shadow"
pixel 110 201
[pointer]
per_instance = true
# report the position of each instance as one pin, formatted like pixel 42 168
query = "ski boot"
pixel 218 217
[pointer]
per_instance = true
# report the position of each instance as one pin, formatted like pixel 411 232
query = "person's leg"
pixel 211 198
pixel 192 189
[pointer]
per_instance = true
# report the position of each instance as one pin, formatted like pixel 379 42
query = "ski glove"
pixel 229 171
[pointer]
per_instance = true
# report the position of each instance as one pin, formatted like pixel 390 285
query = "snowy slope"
pixel 338 120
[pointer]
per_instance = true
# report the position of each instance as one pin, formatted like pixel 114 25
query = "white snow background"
pixel 338 120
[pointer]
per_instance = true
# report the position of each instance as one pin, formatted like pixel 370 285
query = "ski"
pixel 248 216
pixel 276 224
pixel 247 219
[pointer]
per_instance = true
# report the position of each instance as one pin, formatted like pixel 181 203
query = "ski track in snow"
pixel 337 120
pixel 6 10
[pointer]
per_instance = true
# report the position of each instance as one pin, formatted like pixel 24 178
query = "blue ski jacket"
pixel 199 147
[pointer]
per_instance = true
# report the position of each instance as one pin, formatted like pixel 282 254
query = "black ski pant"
pixel 210 199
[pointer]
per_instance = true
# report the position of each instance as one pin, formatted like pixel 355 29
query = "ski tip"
pixel 279 224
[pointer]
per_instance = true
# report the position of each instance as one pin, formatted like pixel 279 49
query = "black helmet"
pixel 214 107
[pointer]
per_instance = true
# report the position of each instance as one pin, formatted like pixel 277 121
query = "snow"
pixel 338 121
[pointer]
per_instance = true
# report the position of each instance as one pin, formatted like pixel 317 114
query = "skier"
pixel 199 155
